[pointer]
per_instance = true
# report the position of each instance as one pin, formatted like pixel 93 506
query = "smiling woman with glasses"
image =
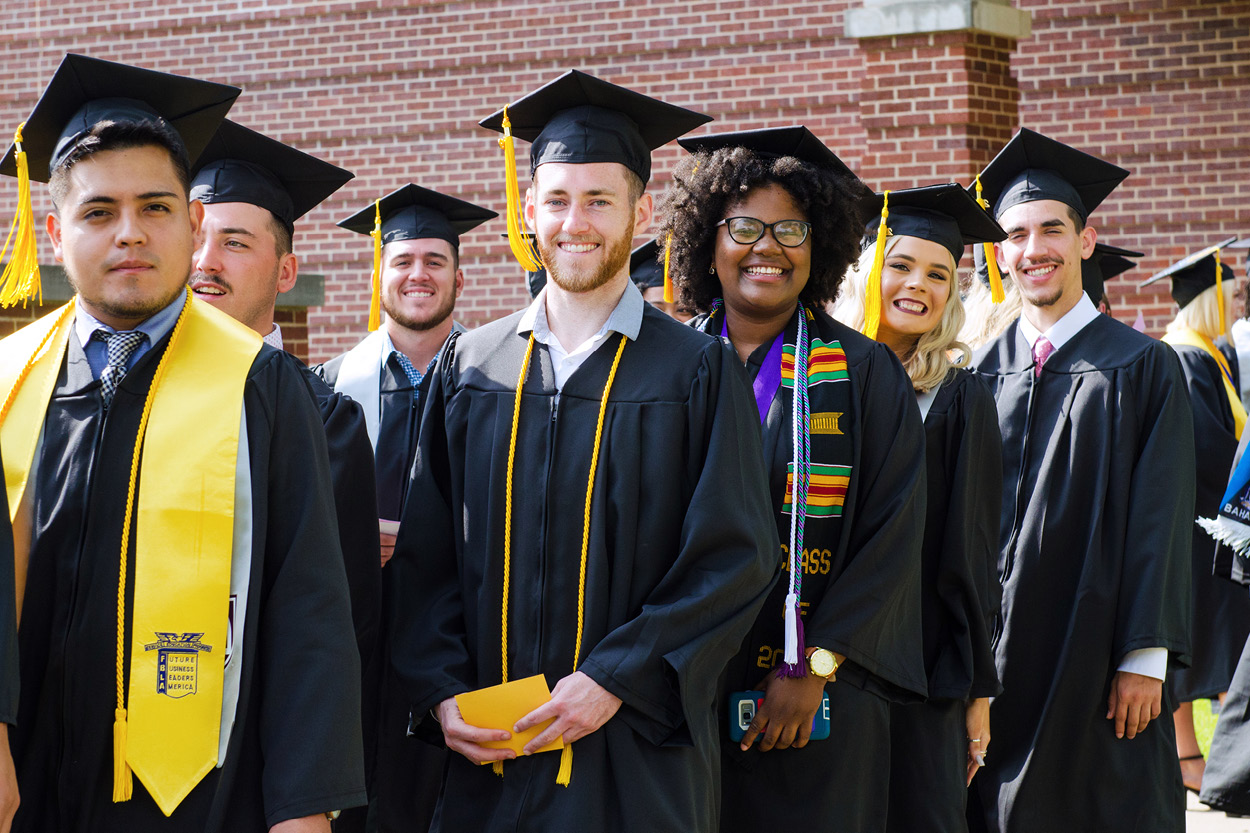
pixel 761 227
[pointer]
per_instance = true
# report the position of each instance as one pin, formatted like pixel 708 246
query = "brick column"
pixel 938 98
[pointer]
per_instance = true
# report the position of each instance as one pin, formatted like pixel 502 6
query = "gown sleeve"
pixel 307 663
pixel 1154 594
pixel 871 611
pixel 968 570
pixel 9 682
pixel 665 663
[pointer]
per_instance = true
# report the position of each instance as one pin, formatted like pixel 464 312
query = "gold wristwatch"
pixel 821 662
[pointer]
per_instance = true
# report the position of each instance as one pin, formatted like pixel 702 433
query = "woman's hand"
pixel 785 717
pixel 977 722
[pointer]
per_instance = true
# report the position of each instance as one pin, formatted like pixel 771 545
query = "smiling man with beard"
pixel 588 504
pixel 387 374
pixel 1098 504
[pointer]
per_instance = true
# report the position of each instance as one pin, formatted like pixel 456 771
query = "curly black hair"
pixel 706 186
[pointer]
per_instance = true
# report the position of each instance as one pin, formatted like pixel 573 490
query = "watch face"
pixel 821 662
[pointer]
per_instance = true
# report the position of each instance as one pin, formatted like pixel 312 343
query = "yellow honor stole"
pixel 167 730
pixel 1192 338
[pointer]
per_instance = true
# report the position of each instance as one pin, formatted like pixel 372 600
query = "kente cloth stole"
pixel 821 421
pixel 1193 338
pixel 182 539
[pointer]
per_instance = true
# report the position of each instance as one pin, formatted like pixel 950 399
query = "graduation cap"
pixel 1034 167
pixel 645 269
pixel 944 214
pixel 1104 264
pixel 1193 275
pixel 578 119
pixel 241 165
pixel 412 213
pixel 82 93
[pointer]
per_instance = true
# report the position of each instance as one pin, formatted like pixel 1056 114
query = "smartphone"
pixel 743 705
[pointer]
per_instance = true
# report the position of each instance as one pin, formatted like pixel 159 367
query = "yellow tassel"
pixel 872 295
pixel 522 248
pixel 497 767
pixel 1219 290
pixel 20 281
pixel 566 766
pixel 668 280
pixel 997 294
pixel 123 781
pixel 375 300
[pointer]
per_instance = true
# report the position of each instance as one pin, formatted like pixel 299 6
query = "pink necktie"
pixel 1041 352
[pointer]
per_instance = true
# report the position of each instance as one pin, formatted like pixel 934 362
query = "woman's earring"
pixel 711 270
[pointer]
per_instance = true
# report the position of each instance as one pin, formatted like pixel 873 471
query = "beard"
pixel 1042 296
pixel 440 314
pixel 615 259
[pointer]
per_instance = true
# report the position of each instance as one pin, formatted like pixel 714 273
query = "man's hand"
pixel 977 724
pixel 579 705
pixel 9 798
pixel 785 717
pixel 308 824
pixel 466 739
pixel 388 546
pixel 1135 701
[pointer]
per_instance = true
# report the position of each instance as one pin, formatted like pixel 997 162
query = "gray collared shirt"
pixel 626 319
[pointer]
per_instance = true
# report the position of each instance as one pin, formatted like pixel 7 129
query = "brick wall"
pixel 393 91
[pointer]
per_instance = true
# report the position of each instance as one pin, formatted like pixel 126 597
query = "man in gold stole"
pixel 185 637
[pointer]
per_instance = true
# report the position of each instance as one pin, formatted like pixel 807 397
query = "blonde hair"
pixel 1202 314
pixel 931 360
pixel 986 320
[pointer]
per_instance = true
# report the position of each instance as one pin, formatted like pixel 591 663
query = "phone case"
pixel 743 705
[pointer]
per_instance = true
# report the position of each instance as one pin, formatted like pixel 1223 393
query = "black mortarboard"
pixel 415 213
pixel 645 269
pixel 945 214
pixel 1194 274
pixel 578 118
pixel 86 91
pixel 775 142
pixel 241 165
pixel 1034 167
pixel 1104 264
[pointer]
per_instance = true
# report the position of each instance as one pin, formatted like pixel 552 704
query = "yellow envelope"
pixel 501 706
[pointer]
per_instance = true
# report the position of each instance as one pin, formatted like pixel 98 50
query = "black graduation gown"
pixel 1221 609
pixel 10 678
pixel 295 749
pixel 683 550
pixel 1098 500
pixel 404 772
pixel 1226 781
pixel 356 509
pixel 960 596
pixel 864 604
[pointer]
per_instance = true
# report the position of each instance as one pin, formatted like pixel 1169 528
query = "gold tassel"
pixel 20 281
pixel 497 767
pixel 997 293
pixel 566 766
pixel 123 781
pixel 668 280
pixel 522 248
pixel 375 299
pixel 1219 290
pixel 872 295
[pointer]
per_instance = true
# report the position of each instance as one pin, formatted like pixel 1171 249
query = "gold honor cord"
pixel 65 312
pixel 565 774
pixel 872 294
pixel 668 279
pixel 123 780
pixel 20 280
pixel 522 249
pixel 997 293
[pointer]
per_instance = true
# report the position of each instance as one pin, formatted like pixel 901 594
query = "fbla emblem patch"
pixel 177 662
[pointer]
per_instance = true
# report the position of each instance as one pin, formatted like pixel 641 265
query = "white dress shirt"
pixel 626 319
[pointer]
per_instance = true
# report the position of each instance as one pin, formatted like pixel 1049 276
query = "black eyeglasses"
pixel 747 230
